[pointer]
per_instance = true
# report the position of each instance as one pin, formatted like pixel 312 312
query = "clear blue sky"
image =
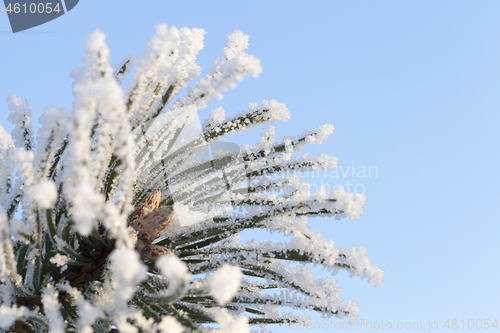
pixel 412 88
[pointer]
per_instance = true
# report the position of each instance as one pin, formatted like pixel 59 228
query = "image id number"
pixel 32 8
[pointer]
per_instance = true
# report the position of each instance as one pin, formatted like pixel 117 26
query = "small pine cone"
pixel 152 225
pixel 152 252
pixel 147 205
pixel 133 234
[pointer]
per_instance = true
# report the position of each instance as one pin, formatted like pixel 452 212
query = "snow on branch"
pixel 132 209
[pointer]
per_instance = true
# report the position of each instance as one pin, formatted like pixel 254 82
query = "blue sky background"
pixel 412 88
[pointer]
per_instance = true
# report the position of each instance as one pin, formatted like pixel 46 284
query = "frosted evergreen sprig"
pixel 125 227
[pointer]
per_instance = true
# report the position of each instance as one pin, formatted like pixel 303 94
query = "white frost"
pixel 22 134
pixel 9 315
pixel 229 323
pixel 171 266
pixel 348 203
pixel 51 308
pixel 20 230
pixel 59 260
pixel 169 324
pixel 127 267
pixel 45 194
pixel 225 283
